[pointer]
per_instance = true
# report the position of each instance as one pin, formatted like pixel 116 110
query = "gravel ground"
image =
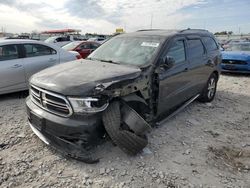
pixel 206 145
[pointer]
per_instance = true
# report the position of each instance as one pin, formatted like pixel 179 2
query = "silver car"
pixel 20 59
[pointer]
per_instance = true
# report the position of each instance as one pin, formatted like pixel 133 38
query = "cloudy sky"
pixel 104 16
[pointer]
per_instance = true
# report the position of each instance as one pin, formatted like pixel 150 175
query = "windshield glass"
pixel 239 47
pixel 127 50
pixel 71 45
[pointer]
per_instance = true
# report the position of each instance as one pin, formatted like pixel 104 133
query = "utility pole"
pixel 151 23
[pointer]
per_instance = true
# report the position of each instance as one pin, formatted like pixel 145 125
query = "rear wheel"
pixel 209 91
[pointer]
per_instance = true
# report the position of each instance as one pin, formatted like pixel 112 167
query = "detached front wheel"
pixel 209 91
pixel 128 141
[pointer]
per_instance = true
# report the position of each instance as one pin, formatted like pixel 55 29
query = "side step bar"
pixel 177 111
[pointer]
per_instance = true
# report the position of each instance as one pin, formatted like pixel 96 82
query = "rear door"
pixel 12 76
pixel 38 57
pixel 173 82
pixel 197 58
pixel 213 55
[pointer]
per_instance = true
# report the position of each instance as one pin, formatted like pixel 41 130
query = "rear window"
pixel 210 44
pixel 196 48
pixel 8 52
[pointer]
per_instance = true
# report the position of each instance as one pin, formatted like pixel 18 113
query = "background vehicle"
pixel 97 39
pixel 231 42
pixel 59 40
pixel 19 59
pixel 140 76
pixel 236 58
pixel 82 47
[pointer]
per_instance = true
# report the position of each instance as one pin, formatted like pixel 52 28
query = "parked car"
pixel 127 85
pixel 97 39
pixel 231 42
pixel 60 40
pixel 20 59
pixel 236 58
pixel 84 48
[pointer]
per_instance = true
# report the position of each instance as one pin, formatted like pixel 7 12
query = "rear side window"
pixel 8 52
pixel 33 50
pixel 210 44
pixel 196 48
pixel 177 51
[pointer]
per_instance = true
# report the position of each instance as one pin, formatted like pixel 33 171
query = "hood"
pixel 82 76
pixel 236 55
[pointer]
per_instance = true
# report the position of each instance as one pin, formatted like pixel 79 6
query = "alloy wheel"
pixel 211 88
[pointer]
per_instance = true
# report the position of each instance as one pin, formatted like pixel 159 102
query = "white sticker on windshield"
pixel 150 44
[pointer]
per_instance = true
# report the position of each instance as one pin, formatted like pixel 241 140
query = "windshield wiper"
pixel 108 61
pixel 102 60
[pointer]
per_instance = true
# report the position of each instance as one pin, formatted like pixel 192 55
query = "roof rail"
pixel 188 29
pixel 149 30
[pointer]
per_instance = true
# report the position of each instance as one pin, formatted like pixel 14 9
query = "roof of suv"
pixel 168 33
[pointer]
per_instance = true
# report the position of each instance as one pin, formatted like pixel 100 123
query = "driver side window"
pixel 177 51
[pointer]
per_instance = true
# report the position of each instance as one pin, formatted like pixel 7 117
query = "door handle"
pixel 16 66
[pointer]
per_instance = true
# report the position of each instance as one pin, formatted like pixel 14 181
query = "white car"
pixel 20 59
pixel 98 39
pixel 60 40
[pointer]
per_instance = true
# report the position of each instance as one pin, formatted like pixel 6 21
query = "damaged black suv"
pixel 129 84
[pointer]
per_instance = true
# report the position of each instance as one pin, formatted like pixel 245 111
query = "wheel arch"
pixel 216 73
pixel 138 103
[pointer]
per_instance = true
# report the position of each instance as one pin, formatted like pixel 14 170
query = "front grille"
pixel 234 62
pixel 50 102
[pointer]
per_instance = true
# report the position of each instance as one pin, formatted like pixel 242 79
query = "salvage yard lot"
pixel 206 145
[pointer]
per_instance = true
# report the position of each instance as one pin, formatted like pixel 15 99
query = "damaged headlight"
pixel 88 105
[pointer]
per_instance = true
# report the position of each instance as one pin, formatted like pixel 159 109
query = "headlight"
pixel 88 105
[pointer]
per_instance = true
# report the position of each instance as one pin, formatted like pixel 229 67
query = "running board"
pixel 177 111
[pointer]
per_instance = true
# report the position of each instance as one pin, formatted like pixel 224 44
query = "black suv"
pixel 130 83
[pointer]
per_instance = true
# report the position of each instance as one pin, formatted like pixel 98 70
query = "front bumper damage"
pixel 78 136
pixel 74 137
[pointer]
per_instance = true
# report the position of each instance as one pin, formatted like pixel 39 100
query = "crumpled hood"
pixel 236 55
pixel 78 78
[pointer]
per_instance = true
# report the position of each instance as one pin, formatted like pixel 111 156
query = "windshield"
pixel 127 50
pixel 239 47
pixel 71 45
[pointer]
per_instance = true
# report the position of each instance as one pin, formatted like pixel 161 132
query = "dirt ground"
pixel 206 145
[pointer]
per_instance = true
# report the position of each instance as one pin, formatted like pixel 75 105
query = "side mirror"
pixel 167 62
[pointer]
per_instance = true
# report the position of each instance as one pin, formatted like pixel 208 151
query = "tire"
pixel 209 91
pixel 129 142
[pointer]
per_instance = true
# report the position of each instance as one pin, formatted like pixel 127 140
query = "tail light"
pixel 78 56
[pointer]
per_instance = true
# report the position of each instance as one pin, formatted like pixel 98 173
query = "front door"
pixel 12 76
pixel 173 82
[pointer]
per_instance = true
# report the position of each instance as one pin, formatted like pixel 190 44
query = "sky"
pixel 104 16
